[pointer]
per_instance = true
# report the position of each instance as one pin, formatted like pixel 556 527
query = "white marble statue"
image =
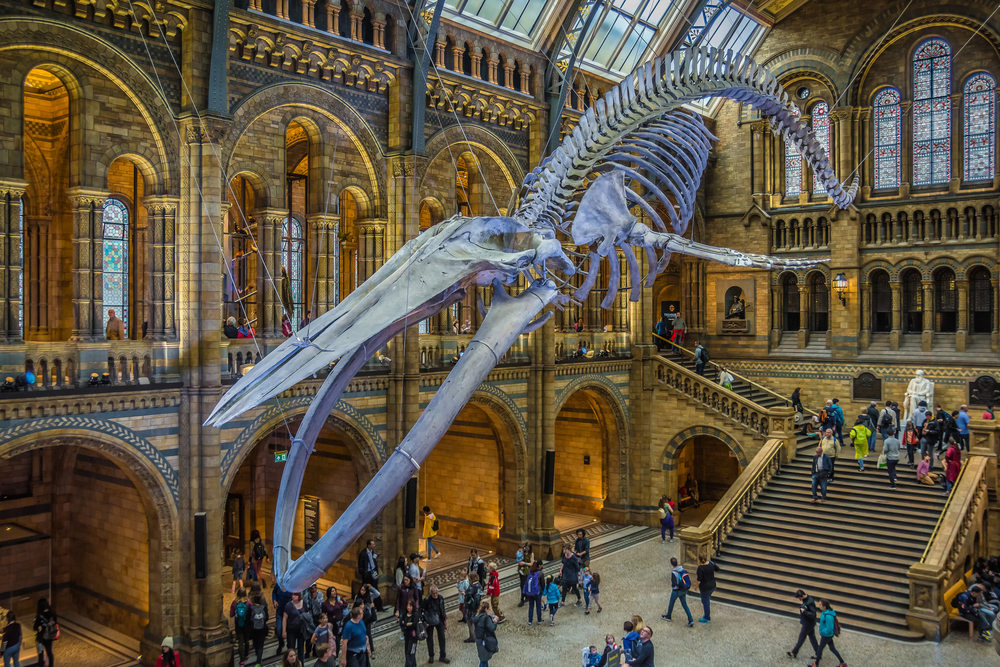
pixel 919 389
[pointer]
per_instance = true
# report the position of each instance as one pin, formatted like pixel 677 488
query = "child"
pixel 591 658
pixel 586 589
pixel 630 642
pixel 594 591
pixel 462 586
pixel 493 590
pixel 553 596
pixel 239 567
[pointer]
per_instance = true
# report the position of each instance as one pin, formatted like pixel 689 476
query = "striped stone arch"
pixel 877 265
pixel 800 276
pixel 677 442
pixel 601 382
pixel 930 267
pixel 903 264
pixel 969 263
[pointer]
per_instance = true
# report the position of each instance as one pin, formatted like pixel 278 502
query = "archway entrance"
pixel 78 530
pixel 713 466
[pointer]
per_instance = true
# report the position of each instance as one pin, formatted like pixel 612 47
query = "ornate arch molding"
pixel 800 276
pixel 66 45
pixel 464 137
pixel 963 268
pixel 308 96
pixel 610 394
pixel 866 47
pixel 816 63
pixel 110 436
pixel 344 416
pixel 878 265
pixel 264 188
pixel 938 262
pixel 670 452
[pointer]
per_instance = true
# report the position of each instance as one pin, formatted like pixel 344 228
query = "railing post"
pixel 984 440
pixel 927 615
pixel 783 428
pixel 695 541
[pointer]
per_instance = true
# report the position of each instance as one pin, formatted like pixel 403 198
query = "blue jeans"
pixel 278 614
pixel 706 602
pixel 534 602
pixel 947 485
pixel 871 441
pixel 699 369
pixel 430 545
pixel 823 481
pixel 682 596
pixel 12 652
pixel 666 523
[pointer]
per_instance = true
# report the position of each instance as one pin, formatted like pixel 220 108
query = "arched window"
pixel 790 285
pixel 946 301
pixel 820 311
pixel 887 139
pixel 913 303
pixel 793 169
pixel 821 130
pixel 980 127
pixel 293 258
pixel 881 295
pixel 367 28
pixel 389 39
pixel 932 113
pixel 115 253
pixel 980 300
pixel 344 20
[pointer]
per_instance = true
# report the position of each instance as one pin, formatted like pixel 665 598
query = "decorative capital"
pixel 84 197
pixel 13 187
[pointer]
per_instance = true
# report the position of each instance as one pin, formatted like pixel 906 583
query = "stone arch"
pixel 143 465
pixel 362 196
pixel 465 137
pixel 928 269
pixel 143 157
pixel 435 210
pixel 878 265
pixel 969 263
pixel 261 183
pixel 346 417
pixel 672 448
pixel 62 44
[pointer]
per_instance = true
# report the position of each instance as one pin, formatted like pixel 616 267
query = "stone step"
pixel 865 594
pixel 822 546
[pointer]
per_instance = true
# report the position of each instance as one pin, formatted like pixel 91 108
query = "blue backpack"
pixel 683 580
pixel 531 585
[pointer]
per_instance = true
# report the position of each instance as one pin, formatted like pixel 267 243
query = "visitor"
pixel 953 463
pixel 692 489
pixel 988 413
pixel 888 423
pixel 354 643
pixel 293 626
pixel 962 419
pixel 305 320
pixel 807 623
pixel 680 582
pixel 872 413
pixel 493 590
pixel 821 467
pixel 257 552
pixel 552 597
pixel 230 329
pixel 323 634
pixel 279 598
pixel 336 610
pixel 417 572
pixel 890 449
pixel 407 591
pixel 701 357
pixel 839 419
pixel 408 619
pixel 972 606
pixel 725 378
pixel 46 630
pixel 593 589
pixel 291 659
pixel 569 573
pixel 828 418
pixel 239 611
pixel 646 653
pixel 168 657
pixel 924 474
pixel 609 647
pixel 116 328
pixel 532 591
pixel 366 597
pixel 831 448
pixel 456 328
pixel 679 330
pixel 477 565
pixel 910 441
pixel 325 656
pixel 286 325
pixel 259 616
pixel 523 559
pixel 314 603
pixel 245 330
pixel 486 634
pixel 631 644
pixel 952 430
pixel 430 530
pixel 239 568
pixel 929 436
pixel 666 512
pixel 473 597
pixel 662 335
pixel 919 416
pixel 582 550
pixel 12 641
pixel 859 436
pixel 435 618
pixel 368 568
pixel 797 400
pixel 829 627
pixel 309 605
pixel 705 576
pixel 462 585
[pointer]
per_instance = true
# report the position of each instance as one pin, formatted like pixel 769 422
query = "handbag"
pixel 490 643
pixel 421 631
pixel 882 461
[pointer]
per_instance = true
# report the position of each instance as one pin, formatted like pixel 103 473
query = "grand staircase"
pixel 854 550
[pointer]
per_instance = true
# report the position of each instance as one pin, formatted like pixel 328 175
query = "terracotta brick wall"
pixel 579 487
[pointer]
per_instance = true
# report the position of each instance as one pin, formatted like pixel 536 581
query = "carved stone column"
pixel 957 143
pixel 477 59
pixel 439 54
pixel 525 86
pixel 493 71
pixel 308 13
pixel 863 141
pixel 961 335
pixel 88 278
pixel 323 229
pixel 906 158
pixel 269 223
pixel 282 9
pixel 356 30
pixel 379 33
pixel 866 316
pixel 775 316
pixel 927 337
pixel 508 76
pixel 162 212
pixel 11 262
pixel 803 316
pixel 897 315
pixel 332 18
pixel 456 57
pixel 995 336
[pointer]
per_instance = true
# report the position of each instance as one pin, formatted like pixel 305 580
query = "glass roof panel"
pixel 522 15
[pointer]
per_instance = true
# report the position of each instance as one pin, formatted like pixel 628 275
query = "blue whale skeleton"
pixel 637 131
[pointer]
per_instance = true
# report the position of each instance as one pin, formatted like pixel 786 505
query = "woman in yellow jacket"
pixel 430 530
pixel 859 436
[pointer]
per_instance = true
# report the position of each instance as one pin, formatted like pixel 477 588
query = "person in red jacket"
pixel 493 590
pixel 167 657
pixel 953 463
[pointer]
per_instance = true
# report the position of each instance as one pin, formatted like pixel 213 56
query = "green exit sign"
pixel 281 457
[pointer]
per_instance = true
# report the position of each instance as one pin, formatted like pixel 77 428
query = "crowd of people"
pixel 46 629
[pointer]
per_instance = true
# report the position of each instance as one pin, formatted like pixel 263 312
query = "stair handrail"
pixel 734 505
pixel 684 350
pixel 963 495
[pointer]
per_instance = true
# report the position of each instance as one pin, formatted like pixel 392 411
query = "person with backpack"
pixel 822 466
pixel 293 625
pixel 646 654
pixel 477 565
pixel 239 611
pixel 859 436
pixel 830 447
pixel 971 606
pixel 701 358
pixel 280 598
pixel 552 595
pixel 680 584
pixel 872 413
pixel 890 450
pixel 46 631
pixel 258 554
pixel 630 641
pixel 435 618
pixel 839 421
pixel 807 623
pixel 486 634
pixel 473 596
pixel 258 626
pixel 533 592
pixel 888 422
pixel 431 527
pixel 666 511
pixel 829 627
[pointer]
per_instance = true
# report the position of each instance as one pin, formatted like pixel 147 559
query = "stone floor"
pixel 73 650
pixel 735 636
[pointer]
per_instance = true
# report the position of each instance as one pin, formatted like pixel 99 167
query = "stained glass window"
pixel 887 139
pixel 793 170
pixel 980 127
pixel 293 258
pixel 932 113
pixel 116 237
pixel 821 130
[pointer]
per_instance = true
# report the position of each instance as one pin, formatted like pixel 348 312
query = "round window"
pixel 803 93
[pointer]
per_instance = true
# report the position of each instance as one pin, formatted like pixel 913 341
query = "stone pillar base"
pixel 803 339
pixel 894 337
pixel 961 339
pixel 926 338
pixel 546 543
pixel 695 542
pixel 775 338
pixel 864 340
